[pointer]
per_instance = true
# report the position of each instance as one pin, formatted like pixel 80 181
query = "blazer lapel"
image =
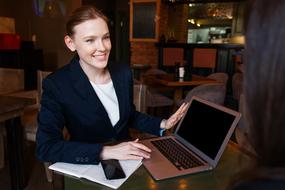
pixel 83 87
pixel 120 89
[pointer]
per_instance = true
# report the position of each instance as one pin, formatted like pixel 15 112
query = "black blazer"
pixel 69 100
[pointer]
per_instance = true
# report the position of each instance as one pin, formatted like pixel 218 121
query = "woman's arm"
pixel 51 145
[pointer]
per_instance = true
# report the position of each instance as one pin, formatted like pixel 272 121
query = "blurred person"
pixel 264 95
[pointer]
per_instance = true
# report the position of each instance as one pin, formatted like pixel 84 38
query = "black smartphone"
pixel 112 169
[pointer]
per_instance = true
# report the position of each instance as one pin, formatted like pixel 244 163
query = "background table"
pixel 231 162
pixel 169 80
pixel 11 108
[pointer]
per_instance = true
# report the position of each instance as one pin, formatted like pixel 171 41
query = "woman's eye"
pixel 89 40
pixel 106 37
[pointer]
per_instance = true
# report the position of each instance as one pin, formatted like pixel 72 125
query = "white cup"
pixel 181 72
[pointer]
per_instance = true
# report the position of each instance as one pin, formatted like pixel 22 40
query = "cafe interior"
pixel 176 49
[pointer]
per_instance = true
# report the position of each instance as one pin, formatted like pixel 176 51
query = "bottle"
pixel 181 72
pixel 176 71
pixel 187 74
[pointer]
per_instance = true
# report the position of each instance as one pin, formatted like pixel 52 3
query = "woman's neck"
pixel 96 75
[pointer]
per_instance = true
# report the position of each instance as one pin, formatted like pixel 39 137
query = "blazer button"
pixel 86 159
pixel 77 159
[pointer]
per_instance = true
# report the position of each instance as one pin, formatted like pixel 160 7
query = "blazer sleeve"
pixel 51 145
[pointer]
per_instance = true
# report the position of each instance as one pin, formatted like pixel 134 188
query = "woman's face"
pixel 91 40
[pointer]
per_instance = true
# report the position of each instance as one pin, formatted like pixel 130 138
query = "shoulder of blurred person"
pixel 261 179
pixel 261 185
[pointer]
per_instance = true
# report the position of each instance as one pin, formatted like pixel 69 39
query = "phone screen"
pixel 112 169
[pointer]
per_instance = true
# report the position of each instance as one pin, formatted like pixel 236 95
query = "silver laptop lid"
pixel 206 128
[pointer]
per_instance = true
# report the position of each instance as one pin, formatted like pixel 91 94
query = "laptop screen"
pixel 205 127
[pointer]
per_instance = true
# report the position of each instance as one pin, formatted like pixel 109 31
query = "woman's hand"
pixel 131 150
pixel 173 119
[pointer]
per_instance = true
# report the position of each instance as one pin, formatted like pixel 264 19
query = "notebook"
pixel 202 135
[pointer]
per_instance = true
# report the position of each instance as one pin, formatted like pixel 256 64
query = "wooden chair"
pixel 172 56
pixel 204 61
pixel 29 119
pixel 11 80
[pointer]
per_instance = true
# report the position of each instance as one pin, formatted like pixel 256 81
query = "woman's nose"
pixel 101 45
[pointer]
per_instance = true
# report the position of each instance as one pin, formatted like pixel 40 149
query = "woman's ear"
pixel 69 43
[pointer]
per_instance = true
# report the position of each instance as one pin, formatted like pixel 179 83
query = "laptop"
pixel 199 141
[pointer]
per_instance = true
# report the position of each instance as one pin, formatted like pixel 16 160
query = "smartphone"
pixel 112 169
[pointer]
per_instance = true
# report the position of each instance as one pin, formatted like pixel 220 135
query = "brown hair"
pixel 265 89
pixel 265 80
pixel 81 15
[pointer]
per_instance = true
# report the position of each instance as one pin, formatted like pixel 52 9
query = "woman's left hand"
pixel 173 119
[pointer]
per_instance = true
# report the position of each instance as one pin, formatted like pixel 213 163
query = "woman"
pixel 264 95
pixel 93 99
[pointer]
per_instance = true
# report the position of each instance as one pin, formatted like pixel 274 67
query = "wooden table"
pixel 169 80
pixel 11 108
pixel 232 161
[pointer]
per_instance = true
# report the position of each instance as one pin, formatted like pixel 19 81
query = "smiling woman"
pixel 93 99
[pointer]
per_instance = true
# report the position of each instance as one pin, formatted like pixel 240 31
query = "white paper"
pixel 95 172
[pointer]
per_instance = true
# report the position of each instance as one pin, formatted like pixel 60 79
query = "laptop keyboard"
pixel 177 155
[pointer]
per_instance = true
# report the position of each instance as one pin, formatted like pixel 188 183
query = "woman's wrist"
pixel 163 124
pixel 105 153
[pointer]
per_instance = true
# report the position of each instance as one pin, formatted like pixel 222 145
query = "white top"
pixel 108 98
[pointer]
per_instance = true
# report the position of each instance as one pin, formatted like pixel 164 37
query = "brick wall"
pixel 144 53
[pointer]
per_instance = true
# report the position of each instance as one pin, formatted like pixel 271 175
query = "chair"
pixel 204 61
pixel 155 94
pixel 172 56
pixel 11 80
pixel 220 77
pixel 212 92
pixel 140 94
pixel 29 120
pixel 237 86
pixel 140 97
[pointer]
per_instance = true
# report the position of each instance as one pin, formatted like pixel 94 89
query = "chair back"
pixel 204 60
pixel 172 56
pixel 212 92
pixel 41 75
pixel 237 85
pixel 220 77
pixel 11 80
pixel 140 97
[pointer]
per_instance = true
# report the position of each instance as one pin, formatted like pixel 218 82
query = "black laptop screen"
pixel 205 127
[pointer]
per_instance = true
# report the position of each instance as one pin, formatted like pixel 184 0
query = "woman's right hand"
pixel 131 150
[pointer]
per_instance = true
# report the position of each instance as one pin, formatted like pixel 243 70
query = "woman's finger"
pixel 140 146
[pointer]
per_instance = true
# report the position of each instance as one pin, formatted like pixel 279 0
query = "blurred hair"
pixel 265 89
pixel 265 80
pixel 81 15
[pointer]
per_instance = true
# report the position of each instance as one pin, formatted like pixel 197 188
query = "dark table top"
pixel 232 161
